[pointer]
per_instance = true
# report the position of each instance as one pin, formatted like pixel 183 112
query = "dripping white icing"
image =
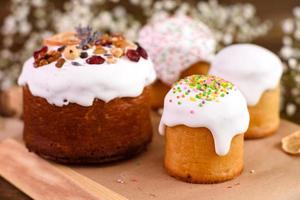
pixel 175 43
pixel 225 118
pixel 82 84
pixel 251 68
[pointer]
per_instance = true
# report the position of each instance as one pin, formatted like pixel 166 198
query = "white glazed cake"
pixel 256 71
pixel 176 43
pixel 204 121
pixel 86 98
pixel 253 69
pixel 210 102
pixel 80 82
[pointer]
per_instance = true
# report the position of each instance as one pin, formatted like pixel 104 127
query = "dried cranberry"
pixel 133 55
pixel 95 60
pixel 142 52
pixel 40 52
pixel 84 55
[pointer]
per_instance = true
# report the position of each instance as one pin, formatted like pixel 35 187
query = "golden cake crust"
pixel 190 156
pixel 264 116
pixel 158 89
pixel 76 134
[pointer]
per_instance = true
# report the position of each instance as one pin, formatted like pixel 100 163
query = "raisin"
pixel 60 63
pixel 84 55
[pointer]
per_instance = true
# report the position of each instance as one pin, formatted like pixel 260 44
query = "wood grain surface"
pixel 269 173
pixel 45 181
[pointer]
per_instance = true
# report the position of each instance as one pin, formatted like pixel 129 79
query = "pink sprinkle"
pixel 192 112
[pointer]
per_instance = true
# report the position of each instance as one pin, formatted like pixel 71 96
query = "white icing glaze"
pixel 225 117
pixel 83 84
pixel 176 43
pixel 253 69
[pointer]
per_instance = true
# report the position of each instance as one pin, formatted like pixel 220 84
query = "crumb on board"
pixel 120 180
pixel 133 180
pixel 152 195
pixel 231 186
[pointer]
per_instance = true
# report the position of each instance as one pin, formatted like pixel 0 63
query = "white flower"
pixel 9 26
pixel 286 52
pixel 291 109
pixel 135 2
pixel 287 40
pixel 292 63
pixel 119 12
pixel 297 34
pixel 288 26
pixel 38 3
pixel 296 12
pixel 227 39
pixel 24 28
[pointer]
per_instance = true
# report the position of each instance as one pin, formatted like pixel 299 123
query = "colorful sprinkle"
pixel 201 89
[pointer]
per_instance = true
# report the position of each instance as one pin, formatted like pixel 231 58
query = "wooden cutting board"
pixel 269 173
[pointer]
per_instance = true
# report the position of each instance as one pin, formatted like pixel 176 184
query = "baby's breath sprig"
pixel 87 35
pixel 290 54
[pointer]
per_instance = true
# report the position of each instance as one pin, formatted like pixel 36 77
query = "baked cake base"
pixel 76 134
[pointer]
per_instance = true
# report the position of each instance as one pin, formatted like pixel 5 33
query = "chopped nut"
pixel 71 52
pixel 111 59
pixel 252 171
pixel 120 43
pixel 43 62
pixel 105 40
pixel 117 52
pixel 54 54
pixel 131 45
pixel 116 37
pixel 44 59
pixel 60 63
pixel 100 50
pixel 291 143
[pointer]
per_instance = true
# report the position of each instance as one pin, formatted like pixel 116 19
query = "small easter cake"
pixel 179 46
pixel 256 71
pixel 203 120
pixel 86 98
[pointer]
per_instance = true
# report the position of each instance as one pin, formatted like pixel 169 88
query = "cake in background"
pixel 179 46
pixel 256 71
pixel 86 98
pixel 204 118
